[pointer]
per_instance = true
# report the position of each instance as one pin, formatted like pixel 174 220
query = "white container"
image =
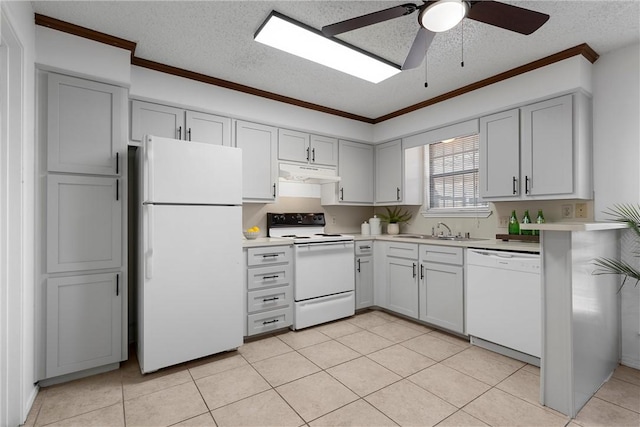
pixel 374 223
pixel 365 229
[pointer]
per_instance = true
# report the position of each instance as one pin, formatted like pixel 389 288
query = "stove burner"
pixel 328 235
pixel 295 236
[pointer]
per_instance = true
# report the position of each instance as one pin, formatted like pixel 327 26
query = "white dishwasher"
pixel 504 299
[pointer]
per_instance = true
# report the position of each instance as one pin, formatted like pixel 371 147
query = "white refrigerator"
pixel 189 251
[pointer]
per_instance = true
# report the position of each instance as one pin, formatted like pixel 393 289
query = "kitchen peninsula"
pixel 580 341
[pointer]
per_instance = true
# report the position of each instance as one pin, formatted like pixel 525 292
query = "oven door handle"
pixel 320 245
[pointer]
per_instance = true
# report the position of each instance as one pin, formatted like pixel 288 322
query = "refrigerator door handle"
pixel 148 189
pixel 149 252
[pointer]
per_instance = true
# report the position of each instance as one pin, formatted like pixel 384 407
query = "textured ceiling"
pixel 215 38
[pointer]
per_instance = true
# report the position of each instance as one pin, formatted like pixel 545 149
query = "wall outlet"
pixel 567 211
pixel 581 210
pixel 333 220
pixel 504 221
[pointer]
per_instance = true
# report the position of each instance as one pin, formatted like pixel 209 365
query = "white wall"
pixel 58 51
pixel 21 393
pixel 563 76
pixel 616 144
pixel 156 86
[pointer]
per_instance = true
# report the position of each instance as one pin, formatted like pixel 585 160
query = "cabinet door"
pixel 84 316
pixel 389 172
pixel 547 147
pixel 84 217
pixel 356 172
pixel 364 282
pixel 259 172
pixel 156 119
pixel 293 145
pixel 203 127
pixel 499 153
pixel 441 295
pixel 324 150
pixel 402 291
pixel 84 125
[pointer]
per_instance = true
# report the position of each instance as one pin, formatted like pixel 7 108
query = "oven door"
pixel 323 269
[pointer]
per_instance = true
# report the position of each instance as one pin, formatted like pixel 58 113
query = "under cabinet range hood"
pixel 308 174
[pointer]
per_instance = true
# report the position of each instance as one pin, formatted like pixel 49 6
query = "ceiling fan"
pixel 442 15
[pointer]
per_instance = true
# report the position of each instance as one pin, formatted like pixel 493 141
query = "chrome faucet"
pixel 442 223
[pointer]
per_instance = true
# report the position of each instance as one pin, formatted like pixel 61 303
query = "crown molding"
pixel 56 24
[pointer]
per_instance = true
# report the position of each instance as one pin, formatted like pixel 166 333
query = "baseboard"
pixel 631 363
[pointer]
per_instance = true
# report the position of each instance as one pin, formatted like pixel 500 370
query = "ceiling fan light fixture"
pixel 293 37
pixel 443 15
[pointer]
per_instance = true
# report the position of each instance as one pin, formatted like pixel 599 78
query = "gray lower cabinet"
pixel 402 278
pixel 269 292
pixel 84 317
pixel 364 274
pixel 441 288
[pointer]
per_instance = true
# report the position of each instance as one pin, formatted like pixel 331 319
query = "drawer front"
pixel 268 255
pixel 443 254
pixel 364 247
pixel 402 250
pixel 272 275
pixel 269 321
pixel 269 299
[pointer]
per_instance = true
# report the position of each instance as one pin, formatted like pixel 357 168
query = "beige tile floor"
pixel 372 369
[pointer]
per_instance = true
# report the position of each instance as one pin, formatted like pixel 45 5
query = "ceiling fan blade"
pixel 369 19
pixel 509 17
pixel 418 49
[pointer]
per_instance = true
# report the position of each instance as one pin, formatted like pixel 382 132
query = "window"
pixel 451 178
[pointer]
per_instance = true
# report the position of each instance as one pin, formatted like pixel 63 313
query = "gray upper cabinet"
pixel 171 122
pixel 259 171
pixel 83 126
pixel 539 151
pixel 389 172
pixel 305 148
pixel 84 220
pixel 500 155
pixel 356 172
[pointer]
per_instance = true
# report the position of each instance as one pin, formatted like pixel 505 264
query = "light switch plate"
pixel 567 211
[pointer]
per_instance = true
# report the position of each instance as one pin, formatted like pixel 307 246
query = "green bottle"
pixel 514 227
pixel 526 219
pixel 539 220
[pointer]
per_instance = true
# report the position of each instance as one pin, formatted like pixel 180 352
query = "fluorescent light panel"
pixel 298 39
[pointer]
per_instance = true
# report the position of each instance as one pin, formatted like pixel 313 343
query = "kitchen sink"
pixel 430 237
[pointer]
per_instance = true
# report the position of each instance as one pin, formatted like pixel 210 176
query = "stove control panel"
pixel 295 219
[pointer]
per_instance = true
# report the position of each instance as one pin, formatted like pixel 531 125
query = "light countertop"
pixel 478 244
pixel 574 226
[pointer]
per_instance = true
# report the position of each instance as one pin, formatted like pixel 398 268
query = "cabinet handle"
pixel 189 134
pixel 270 256
pixel 270 299
pixel 275 276
pixel 117 189
pixel 179 132
pixel 398 193
pixel 117 284
pixel 414 270
pixel 341 193
pixel 526 185
pixel 117 163
pixel 307 154
pixel 421 271
pixel 274 189
pixel 266 322
pixel 358 265
pixel 514 183
pixel 365 247
pixel 313 155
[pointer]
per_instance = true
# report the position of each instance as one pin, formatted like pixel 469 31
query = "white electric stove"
pixel 324 279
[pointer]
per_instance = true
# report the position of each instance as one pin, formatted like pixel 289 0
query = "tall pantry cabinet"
pixel 82 126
